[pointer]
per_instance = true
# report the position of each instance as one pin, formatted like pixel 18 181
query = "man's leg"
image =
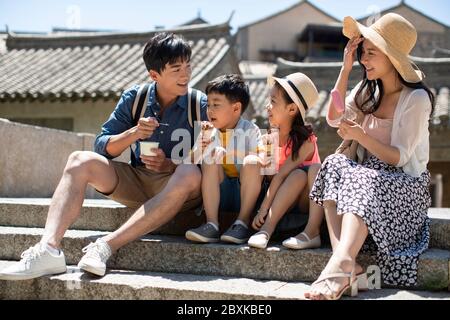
pixel 183 185
pixel 82 168
pixel 43 259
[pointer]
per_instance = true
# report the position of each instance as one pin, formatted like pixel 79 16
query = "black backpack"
pixel 140 106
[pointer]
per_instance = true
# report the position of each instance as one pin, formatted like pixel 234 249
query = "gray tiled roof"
pixel 259 93
pixel 256 73
pixel 94 65
pixel 257 68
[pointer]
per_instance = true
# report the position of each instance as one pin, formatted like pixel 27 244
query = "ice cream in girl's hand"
pixel 338 102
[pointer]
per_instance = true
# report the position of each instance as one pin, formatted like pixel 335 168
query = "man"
pixel 156 186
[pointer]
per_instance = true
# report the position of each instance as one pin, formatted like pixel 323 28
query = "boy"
pixel 231 178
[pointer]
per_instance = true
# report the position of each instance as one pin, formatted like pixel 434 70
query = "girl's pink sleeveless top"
pixel 286 150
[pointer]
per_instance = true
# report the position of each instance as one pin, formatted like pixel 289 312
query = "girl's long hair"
pixel 371 100
pixel 300 132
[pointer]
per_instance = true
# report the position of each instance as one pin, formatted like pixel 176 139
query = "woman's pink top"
pixel 286 150
pixel 379 129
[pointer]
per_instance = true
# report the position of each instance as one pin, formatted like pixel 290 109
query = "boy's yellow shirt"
pixel 228 166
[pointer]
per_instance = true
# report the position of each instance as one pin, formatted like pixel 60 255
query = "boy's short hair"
pixel 165 48
pixel 233 87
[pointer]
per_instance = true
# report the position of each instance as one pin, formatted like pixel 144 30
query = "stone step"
pixel 107 215
pixel 102 215
pixel 439 228
pixel 171 254
pixel 119 284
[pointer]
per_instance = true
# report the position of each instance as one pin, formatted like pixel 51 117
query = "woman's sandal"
pixel 259 240
pixel 350 289
pixel 363 281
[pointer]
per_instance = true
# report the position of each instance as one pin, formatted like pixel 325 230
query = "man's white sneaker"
pixel 35 262
pixel 94 261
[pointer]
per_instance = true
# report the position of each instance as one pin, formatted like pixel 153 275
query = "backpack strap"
pixel 139 105
pixel 194 115
pixel 138 111
pixel 194 118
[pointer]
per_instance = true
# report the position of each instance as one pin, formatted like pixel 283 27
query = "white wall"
pixel 32 159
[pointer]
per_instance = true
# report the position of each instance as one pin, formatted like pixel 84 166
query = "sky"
pixel 140 15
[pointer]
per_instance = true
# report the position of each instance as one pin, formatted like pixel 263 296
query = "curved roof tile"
pixel 94 65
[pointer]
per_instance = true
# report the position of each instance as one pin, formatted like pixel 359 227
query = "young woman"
pixel 380 194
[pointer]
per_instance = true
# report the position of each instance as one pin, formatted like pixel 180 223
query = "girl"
pixel 382 191
pixel 298 165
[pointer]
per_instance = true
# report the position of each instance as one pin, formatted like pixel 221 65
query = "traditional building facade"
pixel 276 35
pixel 306 33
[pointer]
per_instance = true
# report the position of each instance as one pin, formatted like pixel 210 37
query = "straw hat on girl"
pixel 300 89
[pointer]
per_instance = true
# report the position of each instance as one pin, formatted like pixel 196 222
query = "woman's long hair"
pixel 372 100
pixel 299 131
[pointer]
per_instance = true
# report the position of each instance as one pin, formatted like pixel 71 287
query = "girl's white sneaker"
pixel 259 240
pixel 295 243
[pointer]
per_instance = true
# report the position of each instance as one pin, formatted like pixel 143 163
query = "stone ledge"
pixel 118 284
pixel 108 215
pixel 177 255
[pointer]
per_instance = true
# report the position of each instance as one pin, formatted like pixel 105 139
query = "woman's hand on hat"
pixel 350 130
pixel 350 53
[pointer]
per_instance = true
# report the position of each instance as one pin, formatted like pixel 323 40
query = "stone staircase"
pixel 166 266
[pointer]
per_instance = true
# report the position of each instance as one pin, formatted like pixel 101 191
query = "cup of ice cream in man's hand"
pixel 148 148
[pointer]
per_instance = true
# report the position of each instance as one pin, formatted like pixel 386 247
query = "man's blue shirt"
pixel 175 115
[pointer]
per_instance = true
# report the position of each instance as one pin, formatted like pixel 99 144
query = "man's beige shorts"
pixel 138 185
